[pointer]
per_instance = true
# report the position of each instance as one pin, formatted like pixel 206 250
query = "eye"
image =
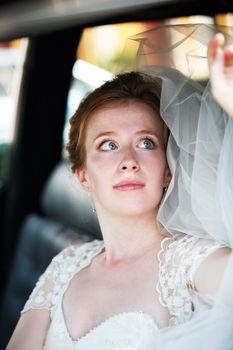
pixel 108 145
pixel 146 144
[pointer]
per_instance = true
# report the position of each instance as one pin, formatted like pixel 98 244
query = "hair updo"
pixel 127 86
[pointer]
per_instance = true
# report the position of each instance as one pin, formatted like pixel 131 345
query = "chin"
pixel 125 209
pixel 133 206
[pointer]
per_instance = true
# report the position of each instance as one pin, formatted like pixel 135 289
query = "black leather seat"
pixel 67 219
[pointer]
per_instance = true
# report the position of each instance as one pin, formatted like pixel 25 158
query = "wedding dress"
pixel 179 257
pixel 196 214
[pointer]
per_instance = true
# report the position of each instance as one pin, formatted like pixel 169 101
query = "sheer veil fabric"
pixel 199 199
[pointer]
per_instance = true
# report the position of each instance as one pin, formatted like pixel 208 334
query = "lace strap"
pixel 59 273
pixel 196 254
pixel 179 259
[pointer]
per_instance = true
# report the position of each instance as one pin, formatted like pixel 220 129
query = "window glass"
pixel 102 53
pixel 12 55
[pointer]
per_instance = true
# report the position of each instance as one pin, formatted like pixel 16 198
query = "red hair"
pixel 128 86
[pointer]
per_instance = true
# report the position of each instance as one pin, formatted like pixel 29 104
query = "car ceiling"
pixel 29 18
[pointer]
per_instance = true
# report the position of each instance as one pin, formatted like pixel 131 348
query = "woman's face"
pixel 126 168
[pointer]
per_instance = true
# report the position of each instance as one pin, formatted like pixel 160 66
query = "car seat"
pixel 67 219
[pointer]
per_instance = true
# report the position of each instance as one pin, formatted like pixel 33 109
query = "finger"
pixel 228 56
pixel 217 66
pixel 215 43
pixel 212 47
pixel 228 72
pixel 217 76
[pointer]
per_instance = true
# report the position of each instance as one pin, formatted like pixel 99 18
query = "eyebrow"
pixel 148 132
pixel 108 133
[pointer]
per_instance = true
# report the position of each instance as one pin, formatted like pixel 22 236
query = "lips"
pixel 128 186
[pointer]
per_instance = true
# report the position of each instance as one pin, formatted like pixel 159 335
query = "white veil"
pixel 199 199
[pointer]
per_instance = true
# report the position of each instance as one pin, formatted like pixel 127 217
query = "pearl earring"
pixel 92 204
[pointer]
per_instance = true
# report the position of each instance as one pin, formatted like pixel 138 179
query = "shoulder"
pixel 182 260
pixel 79 251
pixel 59 273
pixel 211 270
pixel 75 256
pixel 202 260
pixel 186 246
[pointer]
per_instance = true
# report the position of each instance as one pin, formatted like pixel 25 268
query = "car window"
pixel 104 51
pixel 12 55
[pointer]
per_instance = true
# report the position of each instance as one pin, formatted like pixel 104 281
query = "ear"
pixel 167 176
pixel 82 176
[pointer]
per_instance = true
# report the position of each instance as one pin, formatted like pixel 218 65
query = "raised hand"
pixel 220 61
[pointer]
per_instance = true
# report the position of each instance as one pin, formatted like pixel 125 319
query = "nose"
pixel 129 162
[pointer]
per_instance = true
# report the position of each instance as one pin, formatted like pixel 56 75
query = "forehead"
pixel 125 116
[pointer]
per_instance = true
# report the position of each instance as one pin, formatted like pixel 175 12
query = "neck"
pixel 129 237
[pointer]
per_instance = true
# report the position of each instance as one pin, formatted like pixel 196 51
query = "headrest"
pixel 63 199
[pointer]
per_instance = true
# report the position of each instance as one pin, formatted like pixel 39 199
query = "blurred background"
pixel 53 53
pixel 100 54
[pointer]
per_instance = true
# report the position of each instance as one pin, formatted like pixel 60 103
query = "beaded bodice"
pixel 179 258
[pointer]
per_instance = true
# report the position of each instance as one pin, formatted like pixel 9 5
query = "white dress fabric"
pixel 179 257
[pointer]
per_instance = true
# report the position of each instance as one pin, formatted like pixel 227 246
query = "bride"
pixel 142 281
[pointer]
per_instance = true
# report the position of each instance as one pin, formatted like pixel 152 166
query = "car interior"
pixel 52 53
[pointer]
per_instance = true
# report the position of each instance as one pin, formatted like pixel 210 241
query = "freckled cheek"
pixel 103 159
pixel 99 167
pixel 155 161
pixel 156 167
